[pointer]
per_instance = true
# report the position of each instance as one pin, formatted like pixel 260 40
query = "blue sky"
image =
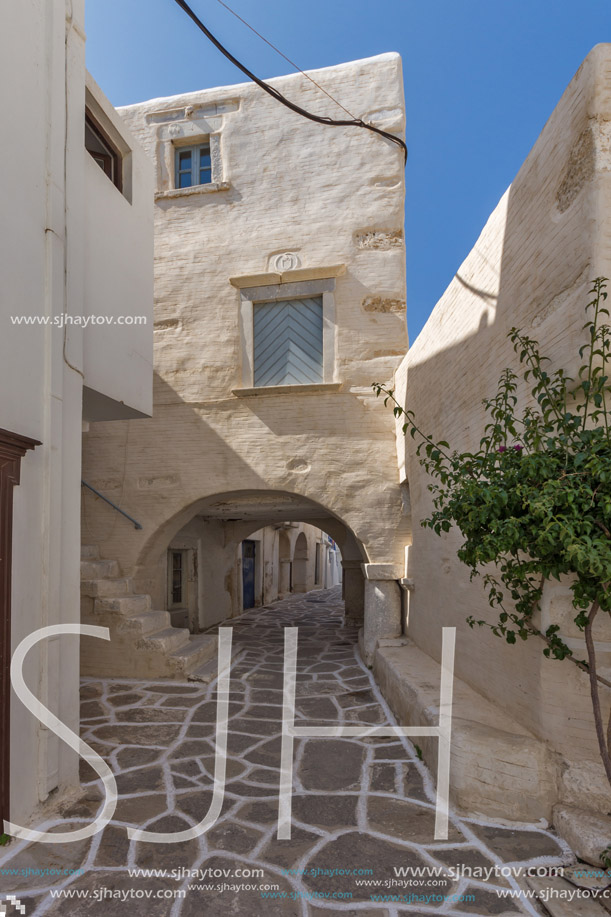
pixel 481 79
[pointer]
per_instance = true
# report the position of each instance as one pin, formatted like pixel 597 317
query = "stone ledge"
pixel 287 389
pixel 564 905
pixel 498 769
pixel 302 273
pixel 208 188
pixel 587 833
pixel 380 572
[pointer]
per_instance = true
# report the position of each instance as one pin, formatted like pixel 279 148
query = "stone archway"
pixel 221 522
pixel 371 589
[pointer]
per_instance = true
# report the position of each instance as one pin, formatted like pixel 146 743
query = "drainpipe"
pixel 406 585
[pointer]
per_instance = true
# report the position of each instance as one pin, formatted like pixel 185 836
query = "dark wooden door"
pixel 12 448
pixel 248 573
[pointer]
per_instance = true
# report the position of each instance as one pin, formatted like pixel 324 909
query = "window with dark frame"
pixel 193 166
pixel 103 151
pixel 178 574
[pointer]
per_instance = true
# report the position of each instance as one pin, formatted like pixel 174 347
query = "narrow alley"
pixel 363 809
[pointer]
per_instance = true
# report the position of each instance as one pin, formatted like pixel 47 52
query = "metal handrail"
pixel 110 503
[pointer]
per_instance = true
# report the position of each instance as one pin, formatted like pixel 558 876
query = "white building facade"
pixel 76 228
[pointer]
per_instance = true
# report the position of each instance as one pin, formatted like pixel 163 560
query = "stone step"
pixel 127 605
pixel 146 642
pixel 103 587
pixel 200 649
pixel 90 552
pixel 147 623
pixel 168 640
pixel 205 673
pixel 554 895
pixel 99 569
pixel 587 833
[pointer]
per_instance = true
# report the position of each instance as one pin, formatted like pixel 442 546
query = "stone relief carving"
pixel 285 261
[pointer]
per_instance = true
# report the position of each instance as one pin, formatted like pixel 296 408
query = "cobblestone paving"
pixel 358 804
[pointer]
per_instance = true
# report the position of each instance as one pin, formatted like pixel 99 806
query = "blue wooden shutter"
pixel 288 342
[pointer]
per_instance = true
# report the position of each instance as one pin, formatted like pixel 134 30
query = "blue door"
pixel 248 573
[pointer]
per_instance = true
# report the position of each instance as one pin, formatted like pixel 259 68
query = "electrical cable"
pixel 274 93
pixel 287 59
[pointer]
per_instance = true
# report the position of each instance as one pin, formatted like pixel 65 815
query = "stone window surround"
pixel 296 284
pixel 187 133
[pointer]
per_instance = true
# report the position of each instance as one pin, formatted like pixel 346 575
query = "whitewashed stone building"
pixel 279 299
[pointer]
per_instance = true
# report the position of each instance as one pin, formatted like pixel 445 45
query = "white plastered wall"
pixel 531 268
pixel 46 267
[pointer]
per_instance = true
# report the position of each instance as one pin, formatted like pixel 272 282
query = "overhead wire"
pixel 287 59
pixel 276 94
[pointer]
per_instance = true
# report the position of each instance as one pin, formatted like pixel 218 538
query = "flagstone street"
pixel 363 809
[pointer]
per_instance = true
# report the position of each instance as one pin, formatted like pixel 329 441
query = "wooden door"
pixel 248 573
pixel 12 448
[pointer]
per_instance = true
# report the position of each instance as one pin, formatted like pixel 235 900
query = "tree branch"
pixel 594 693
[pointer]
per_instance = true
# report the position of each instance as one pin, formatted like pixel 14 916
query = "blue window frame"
pixel 193 165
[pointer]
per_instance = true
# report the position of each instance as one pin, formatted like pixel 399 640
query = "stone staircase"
pixel 143 644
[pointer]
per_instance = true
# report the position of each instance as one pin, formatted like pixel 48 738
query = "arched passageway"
pixel 285 558
pixel 244 548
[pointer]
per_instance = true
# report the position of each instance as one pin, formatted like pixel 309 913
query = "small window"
pixel 193 166
pixel 102 150
pixel 288 342
pixel 177 576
